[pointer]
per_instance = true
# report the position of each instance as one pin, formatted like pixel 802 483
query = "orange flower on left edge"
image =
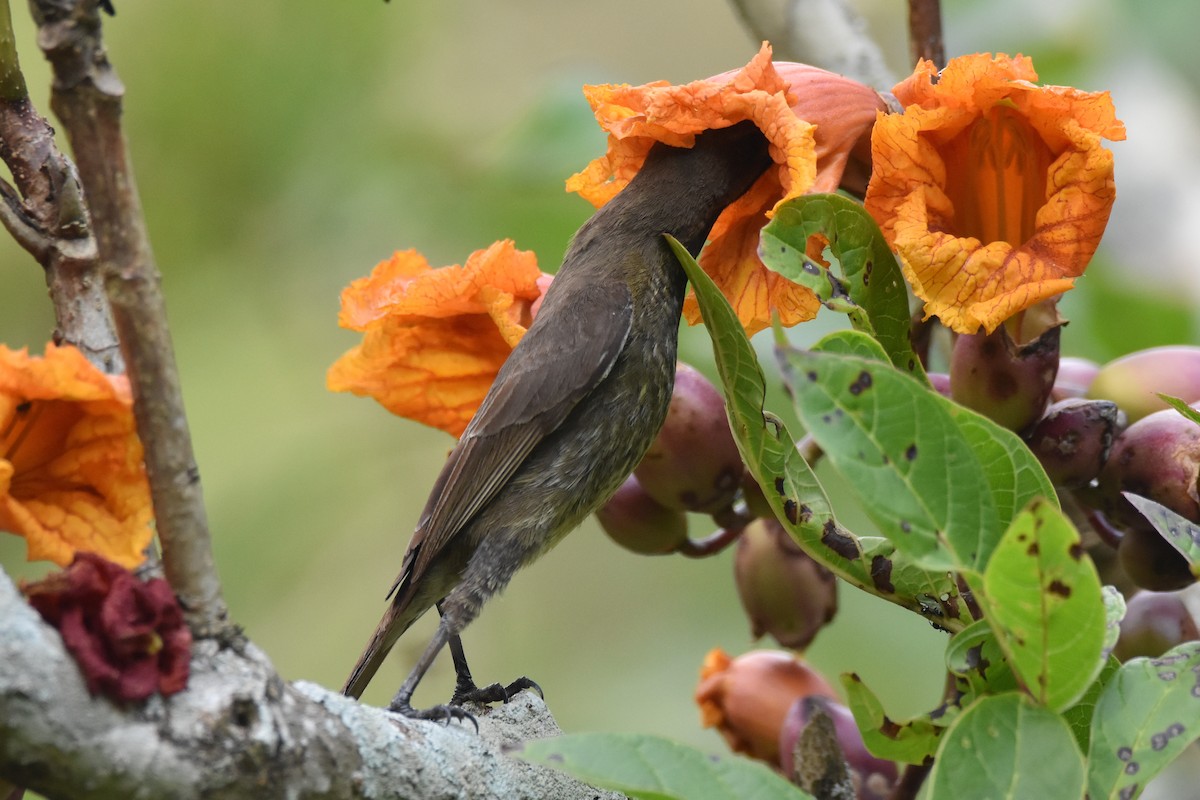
pixel 71 473
pixel 434 339
pixel 816 123
pixel 993 191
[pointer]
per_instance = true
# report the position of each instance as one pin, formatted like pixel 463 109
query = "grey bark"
pixel 240 731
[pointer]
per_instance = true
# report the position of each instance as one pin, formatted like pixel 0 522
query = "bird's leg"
pixel 465 689
pixel 402 702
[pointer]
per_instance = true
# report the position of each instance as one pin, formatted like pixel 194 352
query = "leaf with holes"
pixel 871 289
pixel 1046 607
pixel 654 768
pixel 1147 714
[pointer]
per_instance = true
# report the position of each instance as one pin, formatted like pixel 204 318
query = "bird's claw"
pixel 494 693
pixel 443 713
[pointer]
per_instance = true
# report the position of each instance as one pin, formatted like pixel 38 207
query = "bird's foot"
pixel 444 713
pixel 496 693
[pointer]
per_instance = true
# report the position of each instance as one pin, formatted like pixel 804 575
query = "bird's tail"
pixel 396 620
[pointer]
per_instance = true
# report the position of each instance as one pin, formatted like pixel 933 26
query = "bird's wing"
pixel 551 370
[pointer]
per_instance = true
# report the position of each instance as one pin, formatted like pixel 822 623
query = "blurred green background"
pixel 283 147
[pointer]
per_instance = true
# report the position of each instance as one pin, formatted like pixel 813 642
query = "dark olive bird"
pixel 572 410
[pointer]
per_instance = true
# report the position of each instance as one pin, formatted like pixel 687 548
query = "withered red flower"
pixel 128 636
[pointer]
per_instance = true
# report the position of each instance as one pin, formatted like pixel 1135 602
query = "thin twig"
pixel 87 97
pixel 925 31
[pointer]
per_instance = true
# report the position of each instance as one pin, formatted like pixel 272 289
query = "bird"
pixel 571 411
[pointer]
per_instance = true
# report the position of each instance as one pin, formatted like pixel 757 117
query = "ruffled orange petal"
pixel 993 191
pixel 434 339
pixel 71 473
pixel 812 120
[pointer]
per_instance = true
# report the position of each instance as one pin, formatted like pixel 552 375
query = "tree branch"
pixel 825 33
pixel 925 31
pixel 240 731
pixel 49 218
pixel 87 98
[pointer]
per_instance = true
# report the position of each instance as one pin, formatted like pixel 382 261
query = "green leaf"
pixel 788 482
pixel 1005 746
pixel 653 768
pixel 1114 612
pixel 946 510
pixel 897 444
pixel 1180 532
pixel 871 290
pixel 1180 406
pixel 974 655
pixel 1046 607
pixel 1146 715
pixel 910 741
pixel 1014 475
pixel 1080 715
pixel 851 343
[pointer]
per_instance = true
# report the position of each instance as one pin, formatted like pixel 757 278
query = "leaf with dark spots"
pixel 1047 610
pixel 771 456
pixel 833 538
pixel 1180 532
pixel 1141 719
pixel 881 574
pixel 861 383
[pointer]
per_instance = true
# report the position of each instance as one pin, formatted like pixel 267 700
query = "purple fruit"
pixel 1075 376
pixel 1073 440
pixel 873 778
pixel 637 522
pixel 1156 457
pixel 694 464
pixel 1154 623
pixel 784 591
pixel 1007 383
